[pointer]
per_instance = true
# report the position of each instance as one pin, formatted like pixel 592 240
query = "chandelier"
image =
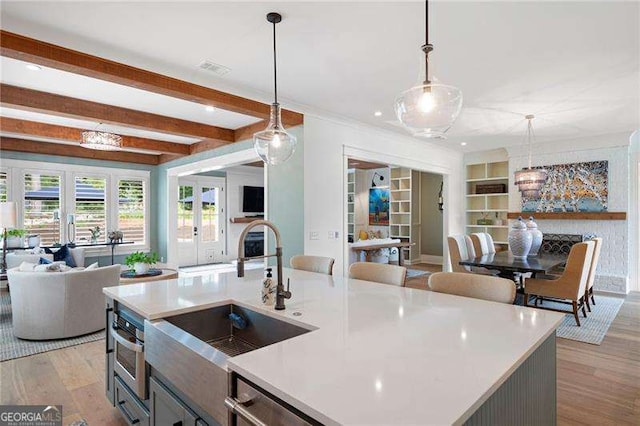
pixel 529 181
pixel 429 109
pixel 274 145
pixel 102 141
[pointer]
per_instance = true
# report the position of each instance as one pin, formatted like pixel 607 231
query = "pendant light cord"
pixel 275 68
pixel 427 47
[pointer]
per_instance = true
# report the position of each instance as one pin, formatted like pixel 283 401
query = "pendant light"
pixel 529 181
pixel 429 109
pixel 101 141
pixel 274 145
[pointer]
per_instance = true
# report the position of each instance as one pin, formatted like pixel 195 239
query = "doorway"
pixel 201 220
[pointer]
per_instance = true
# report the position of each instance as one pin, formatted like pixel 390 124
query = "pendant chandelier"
pixel 429 109
pixel 529 181
pixel 102 141
pixel 274 145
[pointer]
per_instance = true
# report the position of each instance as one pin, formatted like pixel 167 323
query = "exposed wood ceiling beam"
pixel 365 165
pixel 53 56
pixel 247 132
pixel 48 103
pixel 35 147
pixel 72 134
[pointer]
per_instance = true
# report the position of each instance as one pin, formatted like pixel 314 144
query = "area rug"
pixel 412 273
pixel 11 347
pixel 594 327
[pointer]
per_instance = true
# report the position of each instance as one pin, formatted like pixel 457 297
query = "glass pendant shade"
pixel 102 141
pixel 429 110
pixel 530 181
pixel 274 145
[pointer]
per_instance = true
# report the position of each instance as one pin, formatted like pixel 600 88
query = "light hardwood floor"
pixel 597 385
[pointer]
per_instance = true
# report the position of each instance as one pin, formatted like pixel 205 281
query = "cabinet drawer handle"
pixel 129 417
pixel 236 408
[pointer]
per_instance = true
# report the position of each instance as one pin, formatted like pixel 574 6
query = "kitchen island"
pixel 379 354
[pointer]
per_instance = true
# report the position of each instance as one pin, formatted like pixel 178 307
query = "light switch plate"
pixel 313 235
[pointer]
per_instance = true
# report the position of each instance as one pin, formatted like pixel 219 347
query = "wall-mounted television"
pixel 252 199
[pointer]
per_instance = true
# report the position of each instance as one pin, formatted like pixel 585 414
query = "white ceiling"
pixel 576 65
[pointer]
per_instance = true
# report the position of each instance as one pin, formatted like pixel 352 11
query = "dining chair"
pixel 323 265
pixel 483 287
pixel 378 272
pixel 571 287
pixel 482 243
pixel 459 246
pixel 592 273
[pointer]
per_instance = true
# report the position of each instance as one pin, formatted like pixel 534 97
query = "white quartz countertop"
pixel 378 354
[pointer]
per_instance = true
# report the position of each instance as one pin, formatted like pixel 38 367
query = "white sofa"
pixel 58 305
pixel 15 258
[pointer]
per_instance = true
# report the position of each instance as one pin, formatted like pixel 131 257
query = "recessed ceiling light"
pixel 463 143
pixel 209 108
pixel 377 113
pixel 33 67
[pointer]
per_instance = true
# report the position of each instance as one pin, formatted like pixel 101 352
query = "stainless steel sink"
pixel 191 350
pixel 214 327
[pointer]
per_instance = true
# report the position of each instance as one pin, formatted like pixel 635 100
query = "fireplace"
pixel 254 244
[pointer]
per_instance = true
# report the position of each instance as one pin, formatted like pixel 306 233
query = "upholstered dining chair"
pixel 378 272
pixel 482 243
pixel 459 249
pixel 323 265
pixel 592 273
pixel 483 287
pixel 571 287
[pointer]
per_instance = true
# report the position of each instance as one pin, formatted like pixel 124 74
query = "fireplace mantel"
pixel 570 215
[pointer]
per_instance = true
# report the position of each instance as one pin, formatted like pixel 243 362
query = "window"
pixel 210 218
pixel 3 186
pixel 131 209
pixel 185 213
pixel 90 208
pixel 42 206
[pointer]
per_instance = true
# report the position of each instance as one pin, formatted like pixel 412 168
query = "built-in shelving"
pixel 404 220
pixel 491 206
pixel 351 213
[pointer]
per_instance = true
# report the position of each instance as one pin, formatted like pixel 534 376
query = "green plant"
pixel 140 257
pixel 16 233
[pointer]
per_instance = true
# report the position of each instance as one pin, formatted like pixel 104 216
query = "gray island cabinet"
pixel 205 351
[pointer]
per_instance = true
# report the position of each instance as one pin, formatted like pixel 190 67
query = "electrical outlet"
pixel 313 235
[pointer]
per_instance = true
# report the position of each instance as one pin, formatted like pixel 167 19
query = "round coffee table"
pixel 167 274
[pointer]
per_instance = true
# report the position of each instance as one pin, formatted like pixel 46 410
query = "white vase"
pixel 141 268
pixel 520 239
pixel 536 234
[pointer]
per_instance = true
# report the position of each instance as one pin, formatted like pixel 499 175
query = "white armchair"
pixel 58 305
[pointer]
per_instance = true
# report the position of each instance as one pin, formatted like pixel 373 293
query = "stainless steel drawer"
pixel 132 410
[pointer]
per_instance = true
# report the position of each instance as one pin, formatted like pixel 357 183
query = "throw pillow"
pixel 92 266
pixel 26 267
pixel 62 254
pixel 44 261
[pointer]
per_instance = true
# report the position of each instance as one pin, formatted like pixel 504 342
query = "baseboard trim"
pixel 431 259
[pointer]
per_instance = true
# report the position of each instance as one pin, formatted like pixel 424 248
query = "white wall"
pixel 361 205
pixel 237 177
pixel 326 144
pixel 614 267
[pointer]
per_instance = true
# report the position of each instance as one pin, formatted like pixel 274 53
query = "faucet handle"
pixel 286 293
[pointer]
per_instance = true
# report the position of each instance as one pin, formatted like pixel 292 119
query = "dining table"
pixel 508 265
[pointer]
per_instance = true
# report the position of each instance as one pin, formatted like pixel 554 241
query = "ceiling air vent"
pixel 217 69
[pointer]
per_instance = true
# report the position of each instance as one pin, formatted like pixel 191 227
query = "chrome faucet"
pixel 281 293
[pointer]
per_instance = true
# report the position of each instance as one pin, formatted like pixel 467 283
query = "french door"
pixel 201 220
